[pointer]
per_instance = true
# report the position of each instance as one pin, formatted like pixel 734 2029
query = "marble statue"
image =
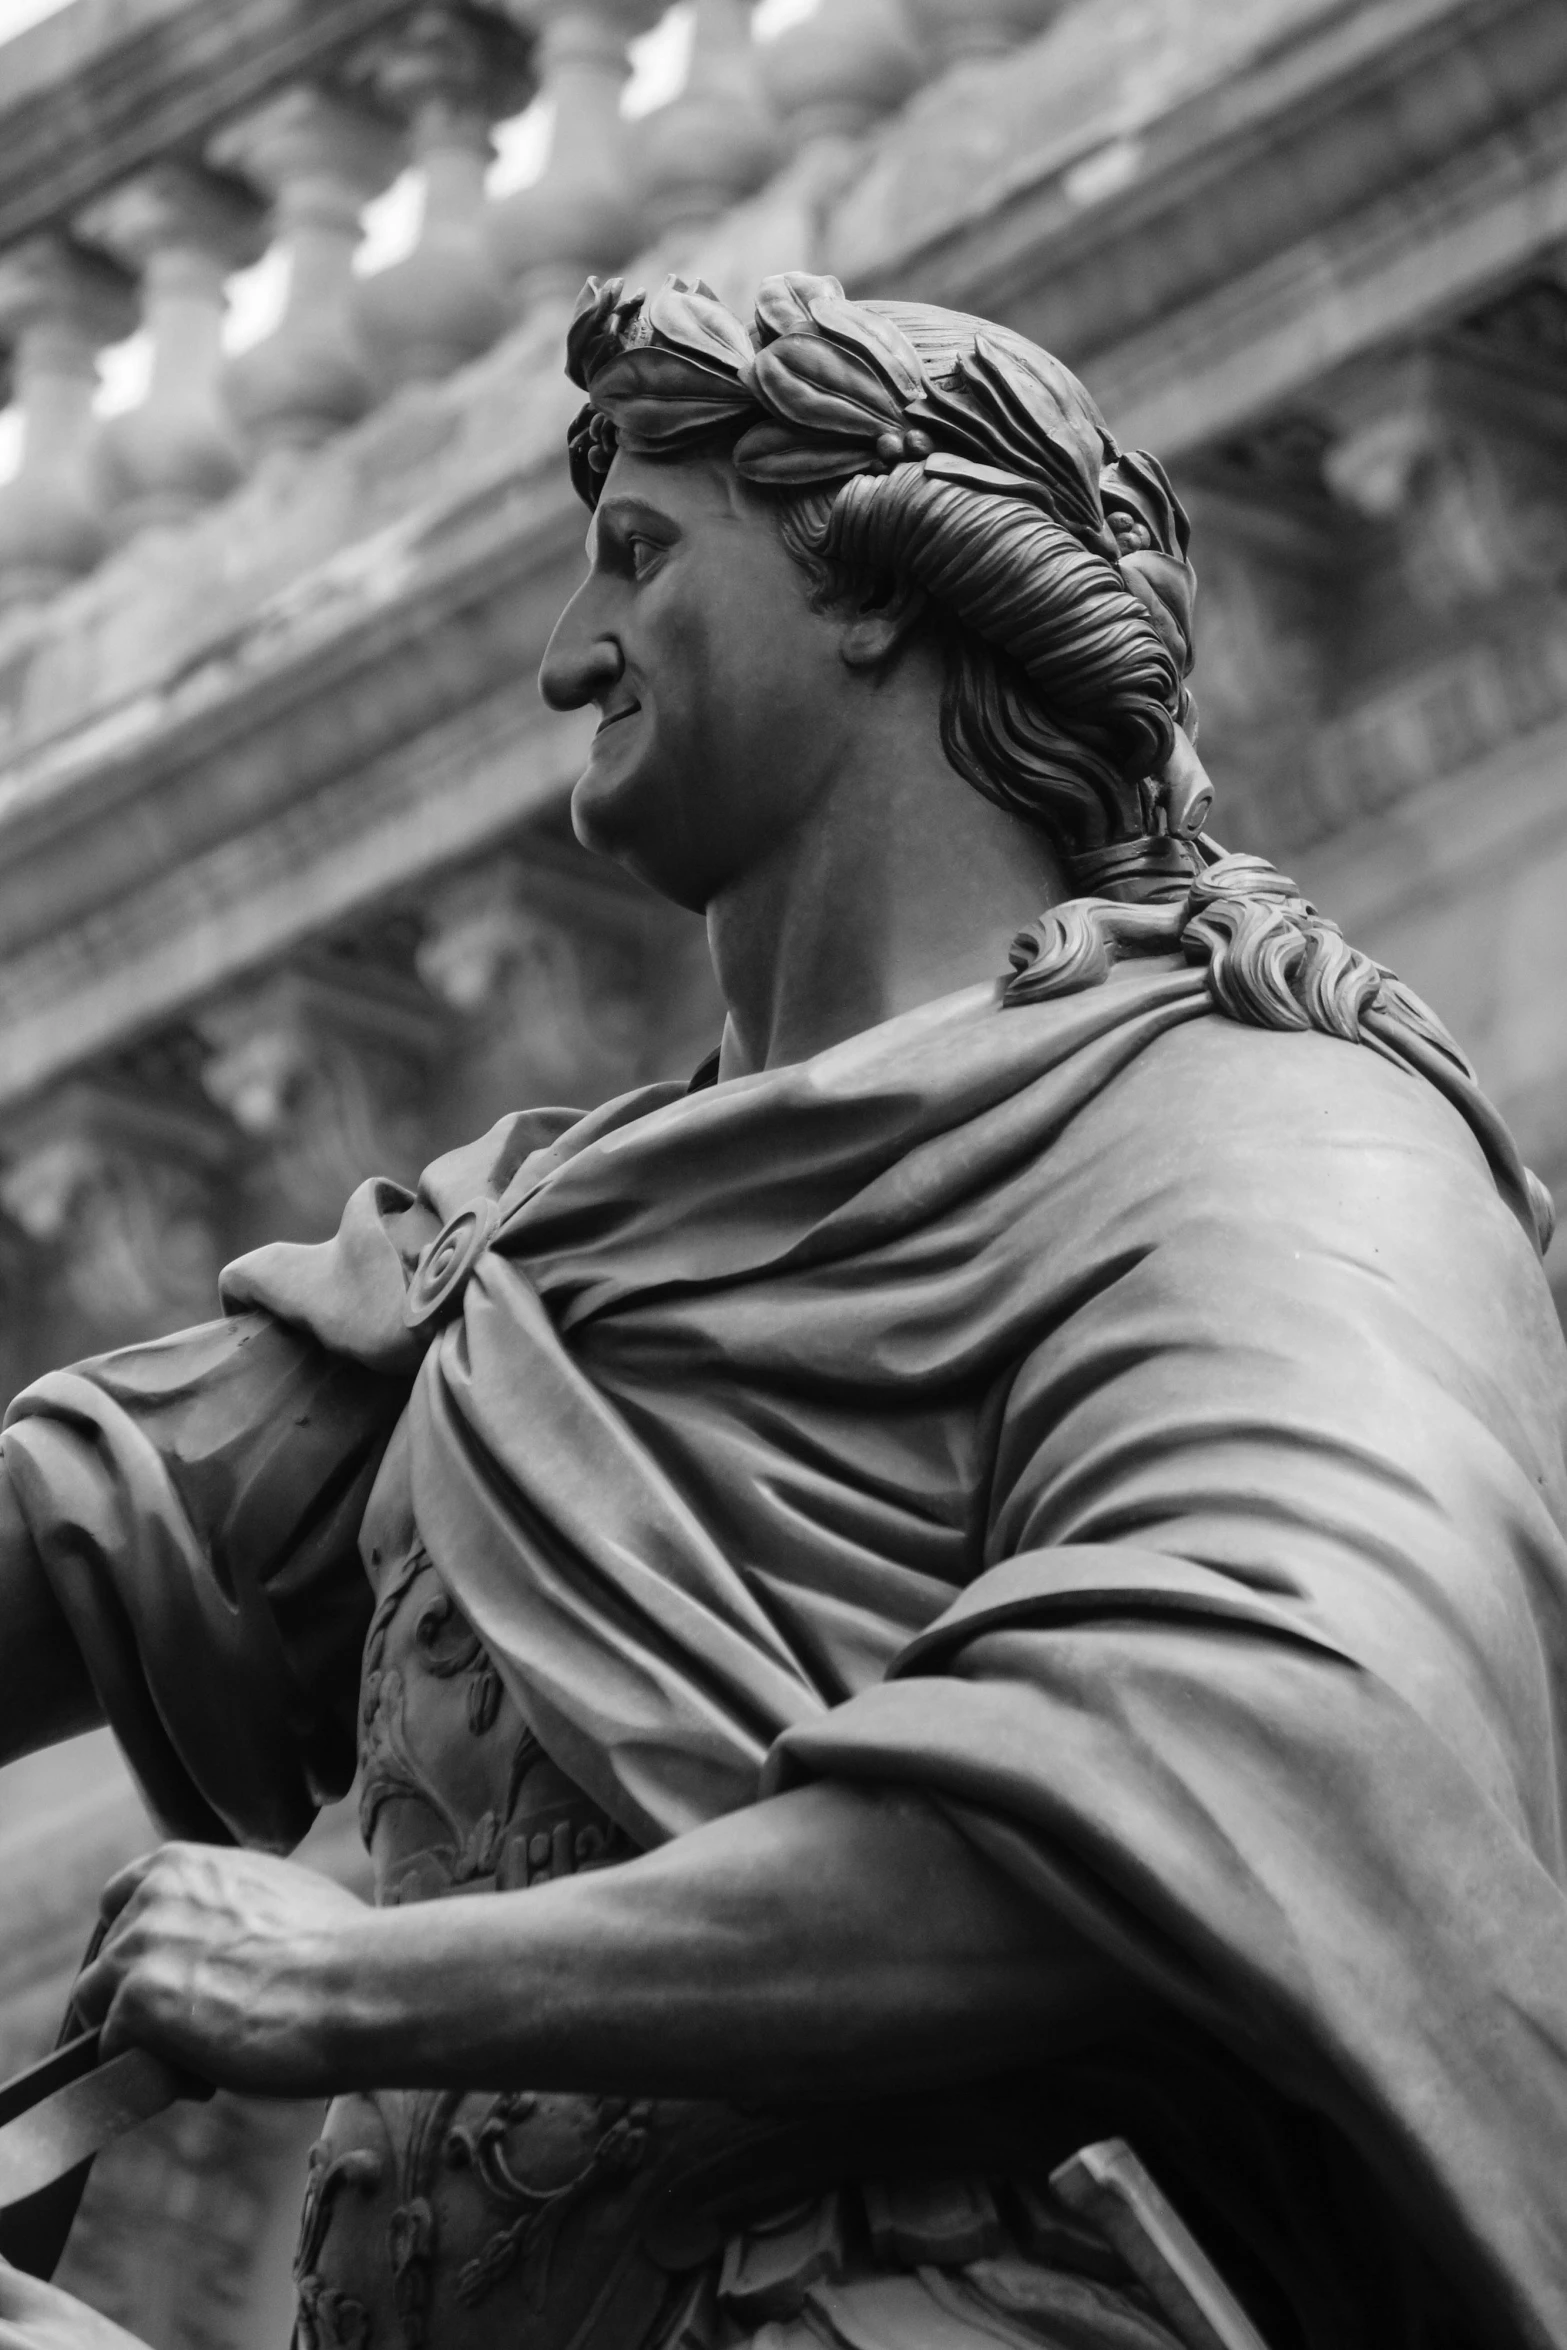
pixel 987 1574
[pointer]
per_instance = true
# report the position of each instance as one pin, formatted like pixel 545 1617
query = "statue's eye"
pixel 645 555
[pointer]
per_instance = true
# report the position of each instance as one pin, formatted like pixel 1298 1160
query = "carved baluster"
pixel 954 30
pixel 59 306
pixel 184 231
pixel 582 214
pixel 718 139
pixel 826 80
pixel 836 72
pixel 329 1068
pixel 121 1191
pixel 321 159
pixel 449 74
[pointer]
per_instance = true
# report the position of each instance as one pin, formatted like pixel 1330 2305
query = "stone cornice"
pixel 1204 260
pixel 1278 98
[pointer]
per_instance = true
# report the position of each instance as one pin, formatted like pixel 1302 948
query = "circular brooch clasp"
pixel 441 1275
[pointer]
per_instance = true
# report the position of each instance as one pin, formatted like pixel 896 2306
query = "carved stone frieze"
pixel 1277 562
pixel 573 989
pixel 327 1070
pixel 1453 456
pixel 120 1194
pixel 1458 447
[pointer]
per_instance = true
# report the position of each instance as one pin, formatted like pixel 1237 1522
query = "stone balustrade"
pixel 59 306
pixel 296 170
pixel 448 77
pixel 311 576
pixel 183 232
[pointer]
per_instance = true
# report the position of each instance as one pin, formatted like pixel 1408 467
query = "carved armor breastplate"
pixel 456 1793
pixel 421 2206
pixel 557 2222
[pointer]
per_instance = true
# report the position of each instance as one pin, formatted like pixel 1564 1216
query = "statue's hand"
pixel 36 2316
pixel 238 1966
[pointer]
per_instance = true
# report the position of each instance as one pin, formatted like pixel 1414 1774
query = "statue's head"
pixel 905 475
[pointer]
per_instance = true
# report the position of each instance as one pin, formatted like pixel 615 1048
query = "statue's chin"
pixel 605 799
pixel 615 812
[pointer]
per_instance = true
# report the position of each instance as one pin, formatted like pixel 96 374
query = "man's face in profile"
pixel 721 694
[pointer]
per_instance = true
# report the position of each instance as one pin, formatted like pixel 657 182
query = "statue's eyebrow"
pixel 631 513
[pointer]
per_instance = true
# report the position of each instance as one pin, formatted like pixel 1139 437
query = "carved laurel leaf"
pixel 783 305
pixel 664 398
pixel 693 321
pixel 1139 483
pixel 783 456
pixel 600 326
pixel 818 386
pixel 871 339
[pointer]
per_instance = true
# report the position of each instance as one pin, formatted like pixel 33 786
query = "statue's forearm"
pixel 45 1693
pixel 827 1942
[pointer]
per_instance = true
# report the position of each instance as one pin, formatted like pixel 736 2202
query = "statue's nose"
pixel 582 660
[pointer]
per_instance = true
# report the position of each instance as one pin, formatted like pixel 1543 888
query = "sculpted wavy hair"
pixel 904 444
pixel 901 443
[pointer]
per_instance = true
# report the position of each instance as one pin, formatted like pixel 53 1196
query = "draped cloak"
pixel 1140 1432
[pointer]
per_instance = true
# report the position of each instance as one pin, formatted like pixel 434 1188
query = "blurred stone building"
pixel 287 891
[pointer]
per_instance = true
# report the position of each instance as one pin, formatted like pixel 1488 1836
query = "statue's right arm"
pixel 179 1555
pixel 45 1691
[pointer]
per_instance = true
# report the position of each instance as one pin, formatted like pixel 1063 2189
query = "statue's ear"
pixel 874 630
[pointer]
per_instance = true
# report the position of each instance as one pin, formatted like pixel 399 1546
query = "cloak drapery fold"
pixel 1140 1432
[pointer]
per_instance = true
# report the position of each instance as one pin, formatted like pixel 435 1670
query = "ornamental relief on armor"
pixel 456 1793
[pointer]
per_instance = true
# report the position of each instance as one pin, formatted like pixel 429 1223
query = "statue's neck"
pixel 895 889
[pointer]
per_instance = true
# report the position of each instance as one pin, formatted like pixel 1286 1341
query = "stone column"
pixel 184 231
pixel 59 307
pixel 718 139
pixel 449 74
pixel 582 214
pixel 321 159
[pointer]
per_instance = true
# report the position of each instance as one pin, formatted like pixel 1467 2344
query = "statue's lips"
pixel 614 717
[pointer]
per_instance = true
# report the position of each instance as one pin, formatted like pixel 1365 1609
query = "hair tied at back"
pixel 1270 959
pixel 1075 945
